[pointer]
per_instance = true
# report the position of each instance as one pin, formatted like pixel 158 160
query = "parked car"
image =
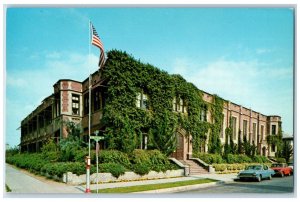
pixel 291 165
pixel 282 169
pixel 256 172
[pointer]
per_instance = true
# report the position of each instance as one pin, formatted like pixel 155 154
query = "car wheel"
pixel 259 178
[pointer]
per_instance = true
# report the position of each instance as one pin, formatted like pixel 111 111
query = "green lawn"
pixel 148 187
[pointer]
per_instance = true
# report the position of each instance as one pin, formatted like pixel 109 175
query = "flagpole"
pixel 88 190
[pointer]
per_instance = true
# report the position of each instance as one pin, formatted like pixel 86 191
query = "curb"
pixel 181 188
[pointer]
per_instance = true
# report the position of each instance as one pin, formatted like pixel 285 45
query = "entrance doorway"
pixel 179 152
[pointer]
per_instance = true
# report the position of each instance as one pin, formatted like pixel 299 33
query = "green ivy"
pixel 124 122
pixel 214 144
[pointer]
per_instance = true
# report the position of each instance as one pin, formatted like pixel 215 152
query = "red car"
pixel 281 169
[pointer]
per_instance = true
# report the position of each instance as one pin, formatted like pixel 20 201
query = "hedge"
pixel 112 161
pixel 233 167
pixel 115 169
pixel 114 156
pixel 209 158
pixel 230 158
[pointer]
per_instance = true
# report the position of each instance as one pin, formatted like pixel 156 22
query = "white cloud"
pixel 16 82
pixel 263 87
pixel 26 88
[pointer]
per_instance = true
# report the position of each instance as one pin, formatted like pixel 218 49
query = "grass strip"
pixel 148 187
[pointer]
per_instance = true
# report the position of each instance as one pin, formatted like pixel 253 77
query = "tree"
pixel 240 145
pixel 287 151
pixel 68 146
pixel 227 149
pixel 247 146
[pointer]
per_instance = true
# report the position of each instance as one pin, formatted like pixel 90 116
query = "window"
pixel 179 105
pixel 97 98
pixel 273 129
pixel 75 104
pixel 203 114
pixel 262 132
pixel 245 128
pixel 233 122
pixel 142 101
pixel 254 132
pixel 273 147
pixel 86 104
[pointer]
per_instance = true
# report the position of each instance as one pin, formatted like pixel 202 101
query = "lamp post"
pixel 97 139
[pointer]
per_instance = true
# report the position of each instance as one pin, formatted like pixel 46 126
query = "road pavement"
pixel 278 185
pixel 21 182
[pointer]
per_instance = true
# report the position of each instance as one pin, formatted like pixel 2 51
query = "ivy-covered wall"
pixel 126 123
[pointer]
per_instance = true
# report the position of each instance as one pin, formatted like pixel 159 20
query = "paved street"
pixel 23 182
pixel 276 185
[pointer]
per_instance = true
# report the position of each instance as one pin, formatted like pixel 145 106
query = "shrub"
pixel 50 146
pixel 159 162
pixel 115 169
pixel 240 166
pixel 114 156
pixel 242 158
pixel 280 160
pixel 259 159
pixel 141 169
pixel 209 158
pixel 232 166
pixel 231 158
pixel 32 162
pixel 220 167
pixel 141 163
pixel 59 168
pixel 80 155
pixel 51 156
pixel 139 156
pixel 12 151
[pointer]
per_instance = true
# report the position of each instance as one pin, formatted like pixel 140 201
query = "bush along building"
pixel 136 105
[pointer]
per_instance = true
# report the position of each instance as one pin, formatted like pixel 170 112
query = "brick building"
pixel 70 102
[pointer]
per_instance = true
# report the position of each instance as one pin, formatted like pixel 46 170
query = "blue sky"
pixel 242 54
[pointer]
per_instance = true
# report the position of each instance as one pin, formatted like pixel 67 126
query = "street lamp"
pixel 97 139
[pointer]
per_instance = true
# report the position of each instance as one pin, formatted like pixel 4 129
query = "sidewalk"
pixel 223 178
pixel 22 182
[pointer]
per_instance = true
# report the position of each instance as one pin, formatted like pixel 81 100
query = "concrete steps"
pixel 195 168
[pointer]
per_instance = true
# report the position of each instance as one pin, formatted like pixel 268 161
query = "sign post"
pixel 97 139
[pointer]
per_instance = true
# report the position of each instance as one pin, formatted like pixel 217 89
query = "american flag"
pixel 97 42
